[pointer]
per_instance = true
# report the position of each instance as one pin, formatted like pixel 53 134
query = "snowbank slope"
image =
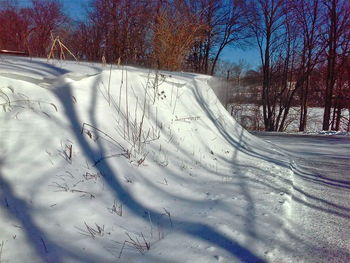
pixel 129 165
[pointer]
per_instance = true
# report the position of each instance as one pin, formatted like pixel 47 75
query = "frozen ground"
pixel 125 165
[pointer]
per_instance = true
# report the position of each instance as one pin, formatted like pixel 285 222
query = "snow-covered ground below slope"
pixel 124 164
pixel 320 212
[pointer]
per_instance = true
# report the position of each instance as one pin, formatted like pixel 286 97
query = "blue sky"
pixel 75 9
pixel 250 55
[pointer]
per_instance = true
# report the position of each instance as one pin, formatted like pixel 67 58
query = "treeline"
pixel 304 45
pixel 304 48
pixel 167 34
pixel 29 29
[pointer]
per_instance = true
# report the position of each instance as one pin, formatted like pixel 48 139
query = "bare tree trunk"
pixel 304 107
pixel 331 63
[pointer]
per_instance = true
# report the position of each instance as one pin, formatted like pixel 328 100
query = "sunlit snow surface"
pixel 121 164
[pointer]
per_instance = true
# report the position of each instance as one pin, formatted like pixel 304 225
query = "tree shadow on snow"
pixel 197 230
pixel 46 249
pixel 286 161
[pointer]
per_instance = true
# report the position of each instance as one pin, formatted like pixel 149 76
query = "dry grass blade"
pixel 168 214
pixel 142 246
pixel 98 231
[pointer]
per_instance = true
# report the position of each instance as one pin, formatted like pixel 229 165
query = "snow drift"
pixel 121 164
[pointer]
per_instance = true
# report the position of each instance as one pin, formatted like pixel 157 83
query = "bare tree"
pixel 338 15
pixel 266 21
pixel 307 18
pixel 117 29
pixel 13 26
pixel 226 26
pixel 45 18
pixel 232 28
pixel 341 96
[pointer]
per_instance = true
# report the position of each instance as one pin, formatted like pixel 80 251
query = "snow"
pixel 320 210
pixel 124 164
pixel 251 117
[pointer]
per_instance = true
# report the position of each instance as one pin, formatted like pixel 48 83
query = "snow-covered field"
pixel 251 117
pixel 122 164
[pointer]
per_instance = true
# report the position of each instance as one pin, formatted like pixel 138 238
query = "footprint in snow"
pixel 219 258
